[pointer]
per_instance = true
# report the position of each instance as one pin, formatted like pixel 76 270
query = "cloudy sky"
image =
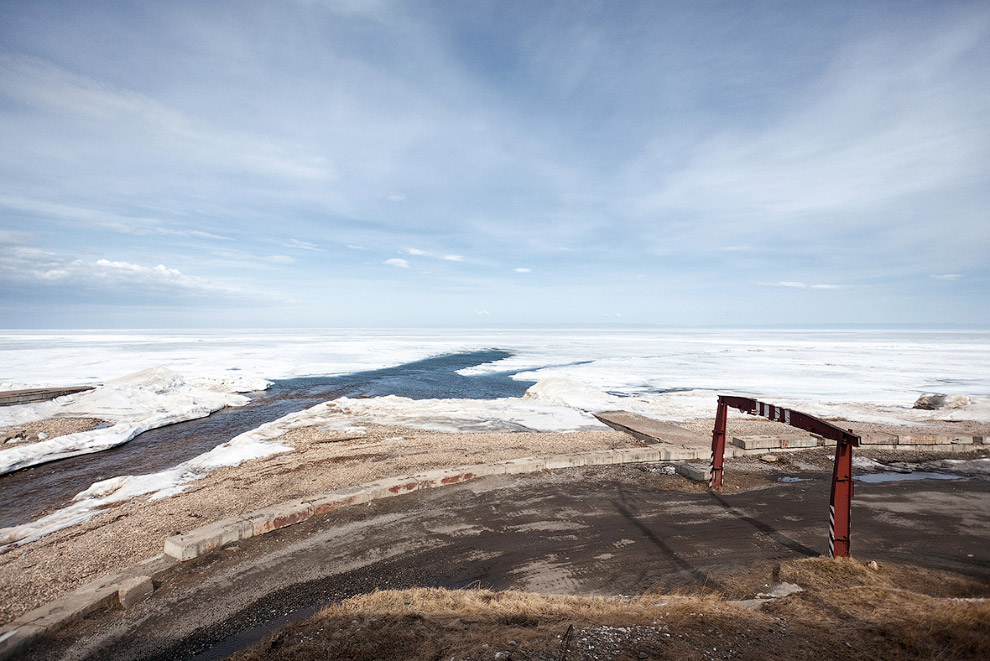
pixel 377 163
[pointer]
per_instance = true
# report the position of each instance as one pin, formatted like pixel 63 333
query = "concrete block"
pixel 152 566
pixel 135 590
pixel 566 461
pixel 443 477
pixel 875 438
pixel 203 540
pixel 483 470
pixel 636 455
pixel 773 442
pixel 279 516
pixel 525 465
pixel 684 454
pixel 696 472
pixel 602 457
pixel 334 500
pixel 73 606
pixel 925 439
pixel 392 486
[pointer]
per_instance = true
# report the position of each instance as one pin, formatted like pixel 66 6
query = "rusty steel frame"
pixel 840 502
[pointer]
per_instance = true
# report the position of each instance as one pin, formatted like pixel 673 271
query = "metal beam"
pixel 840 501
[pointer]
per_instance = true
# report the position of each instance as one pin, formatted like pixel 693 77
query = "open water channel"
pixel 32 492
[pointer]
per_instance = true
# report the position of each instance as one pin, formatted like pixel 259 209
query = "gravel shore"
pixel 322 460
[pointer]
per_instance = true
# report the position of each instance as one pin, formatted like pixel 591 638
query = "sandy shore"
pixel 323 460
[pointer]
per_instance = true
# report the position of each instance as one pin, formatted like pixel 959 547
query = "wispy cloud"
pixel 418 252
pixel 303 245
pixel 39 83
pixel 241 256
pixel 523 269
pixel 109 220
pixel 947 276
pixel 397 262
pixel 791 284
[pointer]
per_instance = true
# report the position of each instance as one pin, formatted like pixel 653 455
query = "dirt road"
pixel 609 530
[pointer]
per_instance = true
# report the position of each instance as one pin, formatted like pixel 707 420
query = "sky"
pixel 347 163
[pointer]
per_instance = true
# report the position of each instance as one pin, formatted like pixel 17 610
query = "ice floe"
pixel 132 404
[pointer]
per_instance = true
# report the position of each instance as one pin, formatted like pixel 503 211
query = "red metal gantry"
pixel 840 504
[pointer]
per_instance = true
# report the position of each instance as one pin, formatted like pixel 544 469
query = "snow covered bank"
pixel 255 444
pixel 446 415
pixel 678 406
pixel 133 404
pixel 468 415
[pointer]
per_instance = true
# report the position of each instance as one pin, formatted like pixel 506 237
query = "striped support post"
pixel 840 504
pixel 718 446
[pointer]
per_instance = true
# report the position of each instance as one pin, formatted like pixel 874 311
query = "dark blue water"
pixel 29 493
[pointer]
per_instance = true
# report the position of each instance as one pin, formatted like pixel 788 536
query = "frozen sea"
pixel 446 380
pixel 869 366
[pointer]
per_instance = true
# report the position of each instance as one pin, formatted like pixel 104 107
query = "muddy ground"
pixel 621 530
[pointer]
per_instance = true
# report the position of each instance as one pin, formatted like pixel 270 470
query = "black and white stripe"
pixel 831 531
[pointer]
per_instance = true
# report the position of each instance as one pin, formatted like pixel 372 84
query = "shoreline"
pixel 323 459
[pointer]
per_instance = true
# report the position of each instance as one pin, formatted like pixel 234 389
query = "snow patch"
pixel 133 404
pixel 467 415
pixel 254 444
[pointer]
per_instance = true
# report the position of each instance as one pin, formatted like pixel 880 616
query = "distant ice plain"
pixel 880 367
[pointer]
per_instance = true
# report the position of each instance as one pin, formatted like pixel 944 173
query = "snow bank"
pixel 468 415
pixel 254 444
pixel 672 406
pixel 133 404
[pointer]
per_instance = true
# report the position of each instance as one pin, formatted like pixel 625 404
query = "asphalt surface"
pixel 605 530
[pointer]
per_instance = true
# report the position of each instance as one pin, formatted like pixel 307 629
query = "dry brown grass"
pixel 846 611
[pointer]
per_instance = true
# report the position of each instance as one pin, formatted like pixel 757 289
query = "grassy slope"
pixel 846 610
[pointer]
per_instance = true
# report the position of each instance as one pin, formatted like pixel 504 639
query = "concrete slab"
pixel 696 472
pixel 933 439
pixel 602 458
pixel 330 502
pixel 72 606
pixel 527 465
pixel 135 590
pixel 566 461
pixel 773 442
pixel 203 540
pixel 279 516
pixel 652 430
pixel 876 438
pixel 393 486
pixel 684 454
pixel 635 455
